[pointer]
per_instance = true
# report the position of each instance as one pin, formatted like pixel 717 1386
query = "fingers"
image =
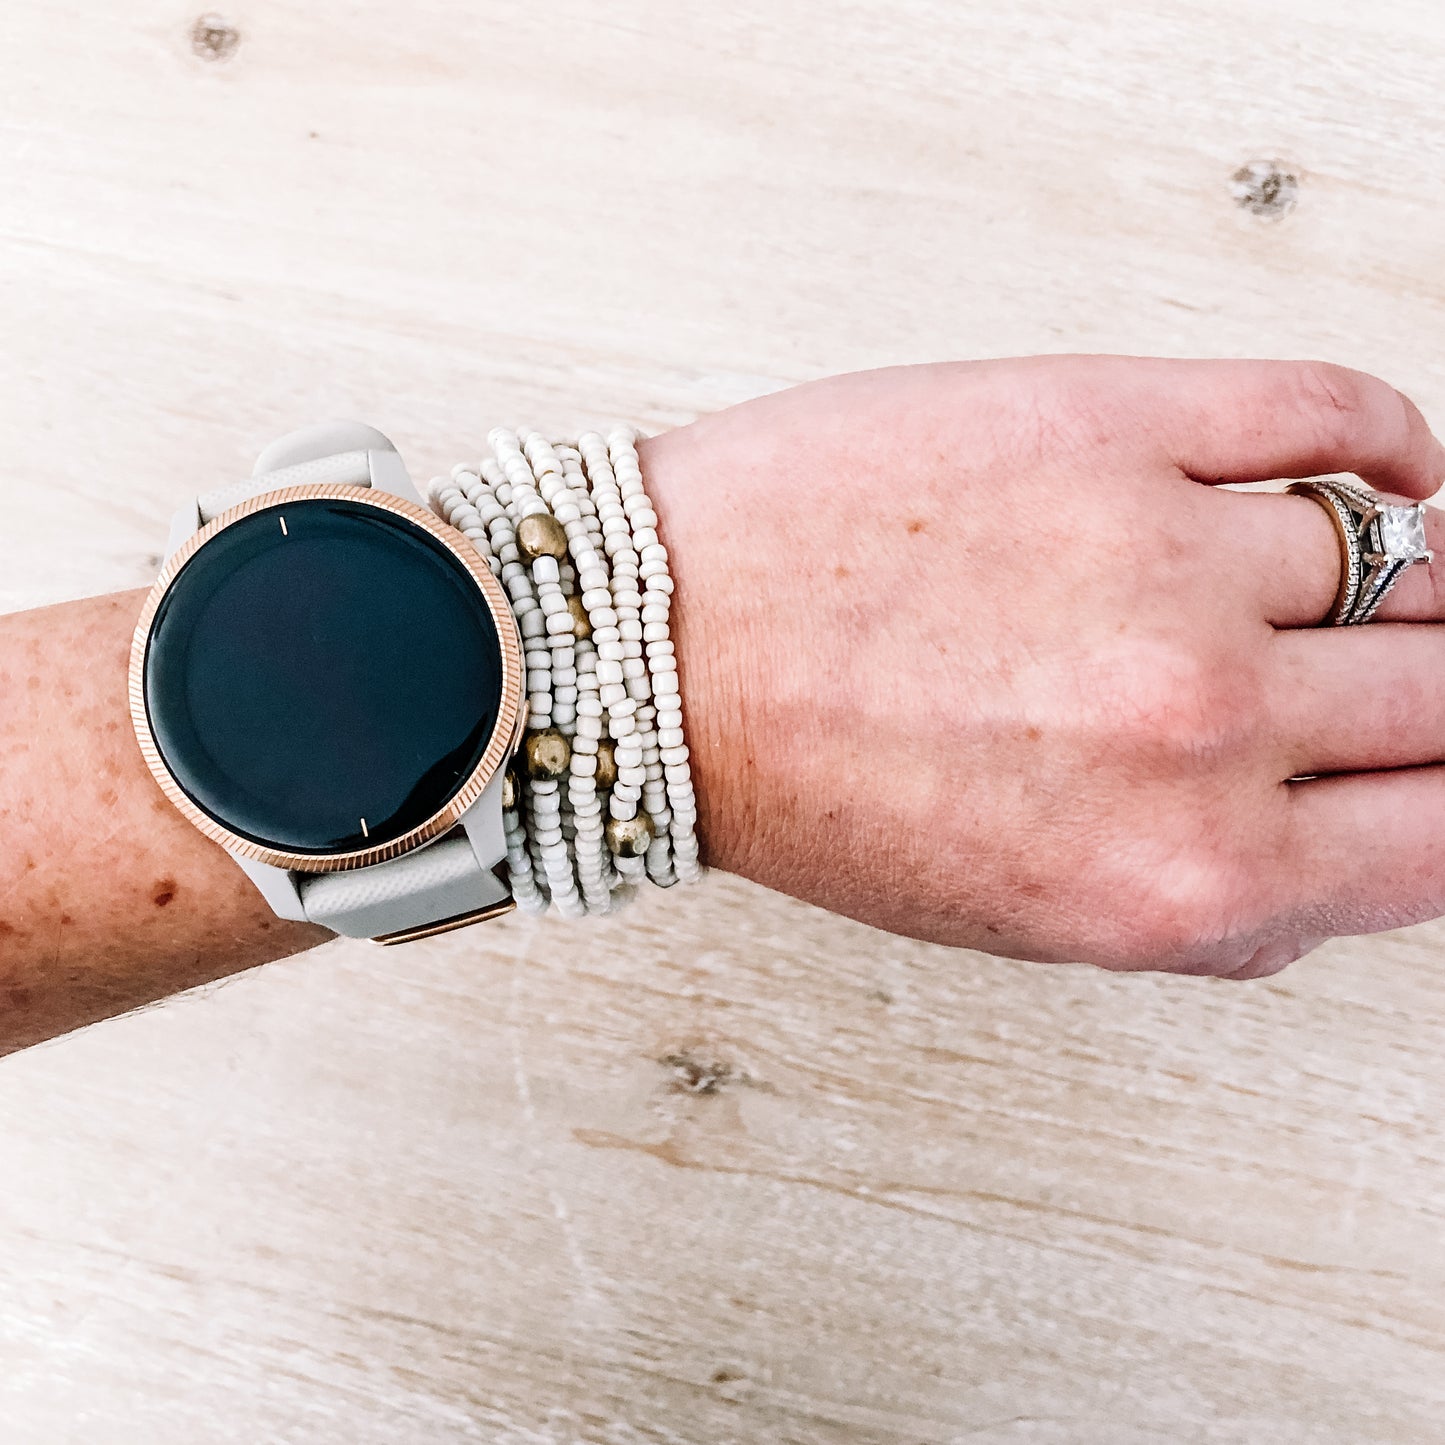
pixel 1250 421
pixel 1300 559
pixel 1352 699
pixel 1366 851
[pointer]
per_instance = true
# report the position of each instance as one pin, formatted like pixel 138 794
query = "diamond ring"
pixel 1380 542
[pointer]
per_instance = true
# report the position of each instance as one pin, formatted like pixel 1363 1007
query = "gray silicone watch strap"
pixel 352 467
pixel 442 880
pixel 448 877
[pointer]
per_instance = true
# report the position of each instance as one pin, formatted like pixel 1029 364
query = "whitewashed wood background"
pixel 733 1170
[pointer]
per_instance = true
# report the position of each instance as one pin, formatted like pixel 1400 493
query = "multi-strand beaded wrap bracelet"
pixel 600 795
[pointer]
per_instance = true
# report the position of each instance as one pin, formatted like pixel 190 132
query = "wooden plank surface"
pixel 728 1170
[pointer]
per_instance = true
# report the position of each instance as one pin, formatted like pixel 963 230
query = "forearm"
pixel 110 898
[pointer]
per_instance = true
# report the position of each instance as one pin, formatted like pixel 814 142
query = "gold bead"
pixel 606 764
pixel 581 622
pixel 511 789
pixel 548 755
pixel 629 837
pixel 540 535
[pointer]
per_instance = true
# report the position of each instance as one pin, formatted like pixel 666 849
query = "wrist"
pixel 715 625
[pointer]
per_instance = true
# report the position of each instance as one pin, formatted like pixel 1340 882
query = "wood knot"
pixel 214 38
pixel 694 1075
pixel 1267 189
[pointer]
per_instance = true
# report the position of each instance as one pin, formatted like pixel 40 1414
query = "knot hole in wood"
pixel 1267 189
pixel 214 38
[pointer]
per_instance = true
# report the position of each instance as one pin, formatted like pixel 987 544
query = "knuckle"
pixel 1341 401
pixel 1182 707
pixel 1191 909
pixel 1181 907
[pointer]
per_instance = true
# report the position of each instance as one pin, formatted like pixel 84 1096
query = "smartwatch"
pixel 327 680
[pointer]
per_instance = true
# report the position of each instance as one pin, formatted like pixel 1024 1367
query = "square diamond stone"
pixel 1402 532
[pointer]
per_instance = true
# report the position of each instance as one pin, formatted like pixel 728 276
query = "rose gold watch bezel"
pixel 499 747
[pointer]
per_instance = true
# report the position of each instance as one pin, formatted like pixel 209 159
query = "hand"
pixel 980 654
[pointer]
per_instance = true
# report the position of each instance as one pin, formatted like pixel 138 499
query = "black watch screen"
pixel 322 676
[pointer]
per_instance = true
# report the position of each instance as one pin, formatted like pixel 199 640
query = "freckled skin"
pixel 110 898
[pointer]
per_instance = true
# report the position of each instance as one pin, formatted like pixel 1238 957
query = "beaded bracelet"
pixel 600 795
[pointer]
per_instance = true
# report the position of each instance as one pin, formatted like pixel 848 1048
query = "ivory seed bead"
pixel 605 634
pixel 589 707
pixel 654 612
pixel 545 569
pixel 672 756
pixel 533 623
pixel 611 693
pixel 591 579
pixel 548 755
pixel 567 693
pixel 649 549
pixel 655 631
pixel 608 671
pixel 669 737
pixel 633 667
pixel 583 765
pixel 660 647
pixel 581 743
pixel 562 623
pixel 671 718
pixel 632 778
pixel 610 651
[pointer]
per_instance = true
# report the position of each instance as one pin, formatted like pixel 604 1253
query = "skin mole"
pixel 165 890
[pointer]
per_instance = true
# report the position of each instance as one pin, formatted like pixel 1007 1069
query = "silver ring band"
pixel 1379 543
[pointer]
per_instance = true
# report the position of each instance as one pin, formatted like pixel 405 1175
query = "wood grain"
pixel 728 1170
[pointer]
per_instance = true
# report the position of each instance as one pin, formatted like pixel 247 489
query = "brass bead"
pixel 629 837
pixel 511 790
pixel 548 755
pixel 540 535
pixel 581 622
pixel 606 764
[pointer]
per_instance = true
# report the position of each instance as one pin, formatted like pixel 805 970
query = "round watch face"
pixel 324 674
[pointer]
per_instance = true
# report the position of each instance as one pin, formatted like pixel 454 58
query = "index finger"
pixel 1252 421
